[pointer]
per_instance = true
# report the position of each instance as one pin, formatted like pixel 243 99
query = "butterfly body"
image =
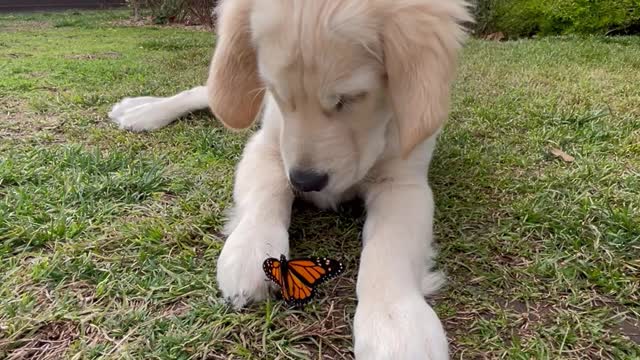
pixel 298 278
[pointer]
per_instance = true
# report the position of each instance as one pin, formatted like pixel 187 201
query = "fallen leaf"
pixel 563 155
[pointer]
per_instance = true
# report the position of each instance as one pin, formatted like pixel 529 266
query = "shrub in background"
pixel 202 11
pixel 484 15
pixel 552 17
pixel 191 12
pixel 514 18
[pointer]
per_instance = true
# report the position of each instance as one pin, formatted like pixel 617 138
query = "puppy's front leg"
pixel 393 321
pixel 259 222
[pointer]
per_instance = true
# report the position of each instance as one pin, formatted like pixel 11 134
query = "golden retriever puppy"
pixel 351 95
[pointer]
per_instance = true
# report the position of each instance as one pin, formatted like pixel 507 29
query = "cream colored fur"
pixel 357 89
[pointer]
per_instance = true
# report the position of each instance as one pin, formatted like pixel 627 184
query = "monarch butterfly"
pixel 298 278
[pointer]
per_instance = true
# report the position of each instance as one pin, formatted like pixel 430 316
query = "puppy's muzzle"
pixel 308 180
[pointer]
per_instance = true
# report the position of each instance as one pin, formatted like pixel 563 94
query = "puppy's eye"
pixel 345 100
pixel 342 101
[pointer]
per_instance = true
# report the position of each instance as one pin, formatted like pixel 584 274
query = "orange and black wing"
pixel 304 275
pixel 295 291
pixel 298 278
pixel 315 271
pixel 273 269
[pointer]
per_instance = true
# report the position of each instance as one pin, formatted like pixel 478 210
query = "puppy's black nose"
pixel 308 180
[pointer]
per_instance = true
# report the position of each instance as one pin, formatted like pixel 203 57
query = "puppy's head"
pixel 339 72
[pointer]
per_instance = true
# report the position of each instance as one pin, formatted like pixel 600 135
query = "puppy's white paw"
pixel 432 281
pixel 407 329
pixel 240 275
pixel 129 103
pixel 139 114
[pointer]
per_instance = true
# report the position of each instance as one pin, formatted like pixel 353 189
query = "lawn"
pixel 109 239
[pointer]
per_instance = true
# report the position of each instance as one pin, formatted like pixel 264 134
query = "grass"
pixel 108 239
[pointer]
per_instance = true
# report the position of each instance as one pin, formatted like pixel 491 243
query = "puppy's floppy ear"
pixel 234 84
pixel 421 39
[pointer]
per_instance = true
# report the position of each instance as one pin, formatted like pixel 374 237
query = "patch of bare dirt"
pixel 16 26
pixel 101 56
pixel 17 55
pixel 329 329
pixel 175 309
pixel 535 312
pixel 629 323
pixel 49 342
pixel 630 327
pixel 84 292
pixel 17 123
pixel 148 22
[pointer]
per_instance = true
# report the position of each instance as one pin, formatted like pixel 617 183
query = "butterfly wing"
pixel 296 292
pixel 304 275
pixel 276 271
pixel 273 269
pixel 298 278
pixel 315 271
